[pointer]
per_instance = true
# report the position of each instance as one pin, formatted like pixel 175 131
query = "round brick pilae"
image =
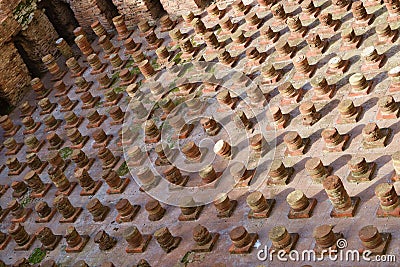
pixel 238 233
pixel 277 233
pixel 322 231
pixel 383 189
pixel 332 182
pixel 368 233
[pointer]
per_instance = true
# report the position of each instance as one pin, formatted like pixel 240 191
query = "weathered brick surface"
pixel 62 17
pixel 180 7
pixel 14 74
pixel 38 39
pixel 31 28
pixel 89 11
pixel 9 26
pixel 9 4
pixel 135 10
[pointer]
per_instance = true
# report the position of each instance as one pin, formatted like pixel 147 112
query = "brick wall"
pixel 88 11
pixel 9 26
pixel 179 7
pixel 14 74
pixel 9 5
pixel 136 10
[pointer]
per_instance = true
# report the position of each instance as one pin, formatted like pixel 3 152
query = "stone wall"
pixel 135 10
pixel 14 74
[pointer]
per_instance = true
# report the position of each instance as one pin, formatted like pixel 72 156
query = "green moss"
pixel 118 90
pixel 179 101
pixel 212 70
pixel 26 200
pixel 198 93
pixel 155 65
pixel 115 75
pixel 123 169
pixel 187 258
pixel 65 152
pixel 129 63
pixel 114 78
pixel 37 256
pixel 136 70
pixel 24 11
pixel 193 41
pixel 99 104
pixel 171 145
pixel 177 59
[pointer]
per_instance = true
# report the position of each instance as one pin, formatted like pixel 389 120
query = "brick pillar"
pixel 14 75
pixel 62 17
pixel 38 38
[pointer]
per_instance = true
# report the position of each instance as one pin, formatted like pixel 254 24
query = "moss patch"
pixel 37 256
pixel 118 90
pixel 65 152
pixel 114 79
pixel 123 169
pixel 187 258
pixel 155 65
pixel 24 12
pixel 99 104
pixel 136 70
pixel 25 201
pixel 115 75
pixel 129 63
pixel 177 58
